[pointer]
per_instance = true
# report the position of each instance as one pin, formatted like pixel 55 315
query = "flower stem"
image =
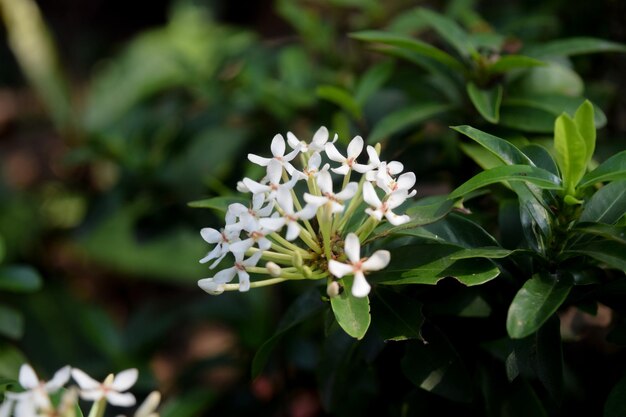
pixel 366 228
pixel 325 227
pixel 352 206
pixel 288 247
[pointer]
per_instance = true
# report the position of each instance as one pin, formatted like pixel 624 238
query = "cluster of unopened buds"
pixel 55 399
pixel 323 227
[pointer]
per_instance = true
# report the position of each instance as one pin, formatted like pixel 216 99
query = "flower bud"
pixel 306 270
pixel 297 260
pixel 273 269
pixel 333 289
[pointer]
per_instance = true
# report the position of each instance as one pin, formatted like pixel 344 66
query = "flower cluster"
pixel 323 226
pixel 37 398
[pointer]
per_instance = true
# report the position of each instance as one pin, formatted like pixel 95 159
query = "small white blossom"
pixel 317 143
pixel 379 208
pixel 247 218
pixel 335 201
pixel 355 147
pixel 357 266
pixel 312 169
pixel 290 216
pixel 223 238
pixel 111 389
pixel 37 391
pixel 390 185
pixel 215 285
pixel 278 152
pixel 390 168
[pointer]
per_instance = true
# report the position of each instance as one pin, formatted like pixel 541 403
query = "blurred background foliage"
pixel 114 115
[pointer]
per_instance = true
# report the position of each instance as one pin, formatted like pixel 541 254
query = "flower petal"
pixel 373 155
pixel 341 170
pixel 294 142
pixel 355 147
pixel 319 139
pixel 28 378
pixel 370 196
pixel 293 231
pixel 315 200
pixel 84 381
pixel 333 154
pixel 244 281
pixel 348 192
pixel 278 145
pixel 352 247
pixel 379 260
pixel 125 379
pixel 210 286
pixel 396 220
pixel 256 187
pixel 92 394
pixel 259 160
pixel 325 182
pixel 59 379
pixel 210 235
pixel 121 400
pixel 339 269
pixel 394 167
pixel 273 223
pixel 360 286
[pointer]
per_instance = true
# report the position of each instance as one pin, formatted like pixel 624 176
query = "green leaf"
pixel 488 253
pixel 526 119
pixel 612 169
pixel 410 44
pixel 507 63
pixel 430 263
pixel 436 367
pixel 11 322
pixel 487 102
pixel 405 118
pixel 607 205
pixel 396 316
pixel 608 252
pixel 526 173
pixel 19 279
pixel 218 203
pixel 606 231
pixel 342 98
pixel 450 31
pixel 552 104
pixel 574 46
pixel 352 313
pixel 615 405
pixel 535 303
pixel 190 403
pixel 571 151
pixel 2 249
pixel 372 81
pixel 501 148
pixel 585 123
pixel 484 158
pixel 304 307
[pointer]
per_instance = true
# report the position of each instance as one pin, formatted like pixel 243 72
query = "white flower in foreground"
pixel 357 266
pixel 313 167
pixel 223 239
pixel 278 152
pixel 290 216
pixel 215 285
pixel 383 208
pixel 37 391
pixel 390 185
pixel 272 179
pixel 355 147
pixel 325 182
pixel 317 143
pixel 240 217
pixel 390 168
pixel 111 389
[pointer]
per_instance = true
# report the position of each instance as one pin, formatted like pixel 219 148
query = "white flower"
pixel 391 168
pixel 383 208
pixel 357 266
pixel 111 388
pixel 313 166
pixel 355 147
pixel 223 239
pixel 317 143
pixel 390 185
pixel 278 152
pixel 257 237
pixel 325 182
pixel 37 391
pixel 271 182
pixel 215 285
pixel 290 217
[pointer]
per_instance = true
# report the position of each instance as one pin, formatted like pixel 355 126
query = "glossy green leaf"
pixel 410 44
pixel 526 173
pixel 405 118
pixel 19 279
pixel 483 157
pixel 571 152
pixel 615 405
pixel 534 303
pixel 341 97
pixel 606 231
pixel 461 231
pixel 541 157
pixel 352 313
pixel 487 102
pixel 11 322
pixel 430 263
pixel 372 81
pixel 488 253
pixel 304 307
pixel 609 252
pixel 585 124
pixel 507 63
pixel 574 46
pixel 218 203
pixel 526 119
pixel 436 367
pixel 554 78
pixel 450 31
pixel 612 169
pixel 501 148
pixel 607 205
pixel 396 316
